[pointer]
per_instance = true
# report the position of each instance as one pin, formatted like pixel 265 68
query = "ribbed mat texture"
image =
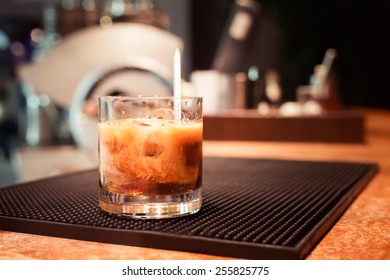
pixel 252 208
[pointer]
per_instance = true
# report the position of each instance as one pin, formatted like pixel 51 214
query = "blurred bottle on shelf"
pixel 255 87
pixel 237 37
pixel 137 11
pixel 77 14
pixel 48 37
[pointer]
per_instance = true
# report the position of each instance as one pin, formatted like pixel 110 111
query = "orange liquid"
pixel 150 157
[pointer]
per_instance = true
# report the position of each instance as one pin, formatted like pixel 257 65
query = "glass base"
pixel 150 207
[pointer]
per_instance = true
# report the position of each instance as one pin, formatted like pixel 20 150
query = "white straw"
pixel 177 84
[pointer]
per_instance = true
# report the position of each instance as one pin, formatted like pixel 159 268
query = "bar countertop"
pixel 363 232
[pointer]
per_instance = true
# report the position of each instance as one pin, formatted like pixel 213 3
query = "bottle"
pixel 77 14
pixel 91 11
pixel 237 37
pixel 49 36
pixel 138 11
pixel 255 88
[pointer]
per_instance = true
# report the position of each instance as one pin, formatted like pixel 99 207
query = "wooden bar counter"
pixel 363 232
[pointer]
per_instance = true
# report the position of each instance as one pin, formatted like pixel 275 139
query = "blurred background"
pixel 55 55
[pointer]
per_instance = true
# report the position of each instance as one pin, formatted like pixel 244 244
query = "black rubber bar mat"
pixel 252 208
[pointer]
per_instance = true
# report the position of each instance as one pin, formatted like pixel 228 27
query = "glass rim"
pixel 141 97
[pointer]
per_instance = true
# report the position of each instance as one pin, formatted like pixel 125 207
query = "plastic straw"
pixel 177 85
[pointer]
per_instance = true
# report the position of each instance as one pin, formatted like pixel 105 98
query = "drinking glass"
pixel 150 156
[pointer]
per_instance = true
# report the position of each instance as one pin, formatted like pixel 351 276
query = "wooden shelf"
pixel 249 125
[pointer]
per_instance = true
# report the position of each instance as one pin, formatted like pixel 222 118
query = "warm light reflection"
pixel 106 21
pixel 36 35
